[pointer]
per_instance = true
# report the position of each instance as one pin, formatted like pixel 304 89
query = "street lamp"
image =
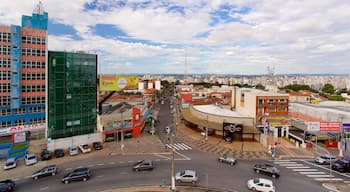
pixel 341 137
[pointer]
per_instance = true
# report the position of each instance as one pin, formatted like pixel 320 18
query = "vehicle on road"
pixel 167 129
pixel 325 159
pixel 267 169
pixel 7 185
pixel 97 145
pixel 80 174
pixel 225 158
pixel 143 165
pixel 30 159
pixel 152 131
pixel 186 176
pixel 73 150
pixel 10 163
pixel 261 184
pixel 45 155
pixel 341 165
pixel 59 153
pixel 84 148
pixel 46 171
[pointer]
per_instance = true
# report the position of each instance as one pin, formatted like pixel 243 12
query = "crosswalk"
pixel 179 146
pixel 304 169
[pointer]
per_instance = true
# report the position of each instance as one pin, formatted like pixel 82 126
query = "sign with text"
pixel 22 128
pixel 118 83
pixel 329 126
pixel 346 126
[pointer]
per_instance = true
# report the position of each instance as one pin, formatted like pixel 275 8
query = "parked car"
pixel 59 153
pixel 84 148
pixel 325 159
pixel 80 174
pixel 227 159
pixel 267 169
pixel 341 165
pixel 45 155
pixel 143 165
pixel 186 176
pixel 7 185
pixel 46 171
pixel 10 163
pixel 73 150
pixel 30 159
pixel 260 184
pixel 97 145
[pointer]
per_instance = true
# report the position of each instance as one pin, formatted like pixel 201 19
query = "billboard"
pixel 118 82
pixel 330 126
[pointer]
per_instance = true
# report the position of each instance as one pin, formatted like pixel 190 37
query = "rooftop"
pixel 216 110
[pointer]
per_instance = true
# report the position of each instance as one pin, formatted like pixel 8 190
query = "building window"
pixel 33 100
pixel 20 122
pixel 271 109
pixel 5 37
pixel 37 120
pixel 5 63
pixel 4 101
pixel 5 50
pixel 20 111
pixel 36 109
pixel 5 112
pixel 261 101
pixel 6 124
pixel 4 88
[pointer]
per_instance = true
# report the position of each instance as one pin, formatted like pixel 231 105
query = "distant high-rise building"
pixel 72 80
pixel 23 51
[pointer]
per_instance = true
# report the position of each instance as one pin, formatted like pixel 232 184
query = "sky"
pixel 242 37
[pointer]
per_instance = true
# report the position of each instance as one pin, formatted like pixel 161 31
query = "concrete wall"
pixel 248 107
pixel 73 141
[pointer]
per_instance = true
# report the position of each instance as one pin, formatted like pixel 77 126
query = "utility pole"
pixel 172 165
pixel 341 137
pixel 206 130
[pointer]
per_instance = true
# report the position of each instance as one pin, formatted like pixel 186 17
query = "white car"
pixel 261 184
pixel 84 148
pixel 30 159
pixel 73 150
pixel 10 163
pixel 325 159
pixel 186 176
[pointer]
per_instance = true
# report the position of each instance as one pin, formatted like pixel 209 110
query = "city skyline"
pixel 212 37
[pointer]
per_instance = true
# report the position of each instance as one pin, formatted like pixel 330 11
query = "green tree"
pixel 259 86
pixel 328 88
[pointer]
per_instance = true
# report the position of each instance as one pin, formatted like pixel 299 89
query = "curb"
pixel 330 187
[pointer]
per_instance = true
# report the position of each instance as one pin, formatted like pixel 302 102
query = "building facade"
pixel 72 95
pixel 23 51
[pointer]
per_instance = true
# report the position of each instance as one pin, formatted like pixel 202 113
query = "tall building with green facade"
pixel 72 84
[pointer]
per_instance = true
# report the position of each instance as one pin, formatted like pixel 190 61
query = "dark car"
pixel 143 165
pixel 97 145
pixel 59 153
pixel 46 171
pixel 267 169
pixel 7 185
pixel 341 165
pixel 45 155
pixel 80 174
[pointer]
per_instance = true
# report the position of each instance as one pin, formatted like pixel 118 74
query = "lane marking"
pixel 68 169
pixel 29 176
pixel 301 167
pixel 100 164
pixel 305 169
pixel 320 175
pixel 312 173
pixel 157 159
pixel 44 188
pixel 99 176
pixel 111 163
pixel 328 179
pixel 90 165
pixel 291 165
pixel 345 175
pixel 121 161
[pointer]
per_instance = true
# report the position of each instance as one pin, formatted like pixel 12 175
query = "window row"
pixel 33 88
pixel 20 122
pixel 5 50
pixel 36 109
pixel 5 88
pixel 33 52
pixel 5 63
pixel 37 120
pixel 7 112
pixel 5 124
pixel 33 64
pixel 4 101
pixel 5 75
pixel 33 76
pixel 33 100
pixel 5 37
pixel 33 40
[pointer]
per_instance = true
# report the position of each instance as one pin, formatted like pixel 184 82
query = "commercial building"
pixel 23 51
pixel 72 101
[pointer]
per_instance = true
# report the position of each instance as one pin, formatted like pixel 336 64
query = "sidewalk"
pixel 242 150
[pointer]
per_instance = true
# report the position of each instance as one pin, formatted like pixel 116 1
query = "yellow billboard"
pixel 118 82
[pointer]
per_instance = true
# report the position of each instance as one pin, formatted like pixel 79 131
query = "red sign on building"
pixel 329 126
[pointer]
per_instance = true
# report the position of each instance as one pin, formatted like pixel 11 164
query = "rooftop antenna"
pixel 185 70
pixel 271 74
pixel 39 9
